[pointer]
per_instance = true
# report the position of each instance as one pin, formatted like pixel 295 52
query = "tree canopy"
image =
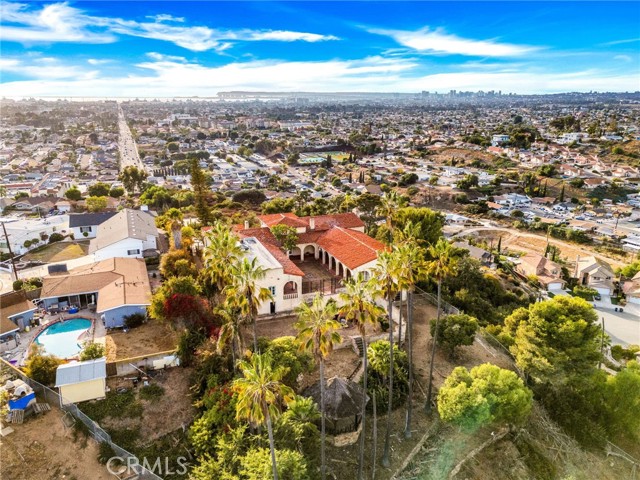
pixel 486 394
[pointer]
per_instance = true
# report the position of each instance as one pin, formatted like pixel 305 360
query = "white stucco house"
pixel 330 248
pixel 129 233
pixel 85 225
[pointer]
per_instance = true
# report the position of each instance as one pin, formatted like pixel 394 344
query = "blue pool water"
pixel 61 339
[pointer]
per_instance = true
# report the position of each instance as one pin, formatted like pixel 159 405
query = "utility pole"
pixel 13 262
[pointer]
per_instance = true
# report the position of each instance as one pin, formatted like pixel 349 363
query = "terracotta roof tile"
pixel 351 247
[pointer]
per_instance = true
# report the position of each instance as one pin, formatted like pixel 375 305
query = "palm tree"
pixel 359 305
pixel 174 225
pixel 222 252
pixel 245 274
pixel 260 395
pixel 411 269
pixel 441 265
pixel 230 332
pixel 389 204
pixel 317 334
pixel 386 272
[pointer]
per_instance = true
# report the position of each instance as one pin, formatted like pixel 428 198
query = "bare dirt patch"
pixel 41 448
pixel 151 337
pixel 163 415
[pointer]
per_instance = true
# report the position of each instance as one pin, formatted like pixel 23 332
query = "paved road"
pixel 127 145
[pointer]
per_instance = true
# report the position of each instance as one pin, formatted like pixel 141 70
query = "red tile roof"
pixel 351 247
pixel 322 222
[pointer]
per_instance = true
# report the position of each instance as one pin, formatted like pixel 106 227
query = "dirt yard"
pixel 42 448
pixel 163 415
pixel 531 243
pixel 58 252
pixel 149 338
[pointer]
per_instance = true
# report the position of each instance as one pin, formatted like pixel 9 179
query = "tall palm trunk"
pixel 364 406
pixel 387 437
pixel 400 319
pixel 427 407
pixel 271 444
pixel 407 426
pixel 253 322
pixel 323 466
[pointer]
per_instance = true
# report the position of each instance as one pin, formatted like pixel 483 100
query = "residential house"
pixel 85 225
pixel 631 289
pixel 475 252
pixel 129 233
pixel 82 381
pixel 16 313
pixel 548 273
pixel 595 273
pixel 35 204
pixel 329 249
pixel 116 287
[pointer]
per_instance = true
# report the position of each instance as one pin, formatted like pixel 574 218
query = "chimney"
pixel 312 223
pixel 246 224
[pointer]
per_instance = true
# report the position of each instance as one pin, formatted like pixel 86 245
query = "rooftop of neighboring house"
pixel 127 223
pixel 118 282
pixel 12 304
pixel 88 219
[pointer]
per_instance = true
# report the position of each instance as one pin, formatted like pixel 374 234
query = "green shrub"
pixel 114 405
pixel 56 237
pixel 91 351
pixel 134 320
pixel 585 292
pixel 151 392
pixel 106 452
pixel 378 372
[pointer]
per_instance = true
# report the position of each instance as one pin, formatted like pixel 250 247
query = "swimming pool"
pixel 61 339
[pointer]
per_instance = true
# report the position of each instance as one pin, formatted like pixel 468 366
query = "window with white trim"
pixel 85 229
pixel 273 291
pixel 133 252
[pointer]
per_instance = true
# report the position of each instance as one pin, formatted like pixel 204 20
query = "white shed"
pixel 82 381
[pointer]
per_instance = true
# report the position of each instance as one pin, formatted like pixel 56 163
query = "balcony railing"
pixel 289 296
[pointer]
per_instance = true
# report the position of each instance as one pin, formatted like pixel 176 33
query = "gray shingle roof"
pixel 88 219
pixel 77 372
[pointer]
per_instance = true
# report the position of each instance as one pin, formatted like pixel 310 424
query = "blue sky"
pixel 168 49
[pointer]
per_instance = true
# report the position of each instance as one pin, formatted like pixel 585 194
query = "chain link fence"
pixel 97 432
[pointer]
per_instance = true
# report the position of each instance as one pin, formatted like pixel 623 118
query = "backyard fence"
pixel 97 432
pixel 433 300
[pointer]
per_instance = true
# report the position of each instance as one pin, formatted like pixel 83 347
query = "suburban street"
pixel 623 328
pixel 127 145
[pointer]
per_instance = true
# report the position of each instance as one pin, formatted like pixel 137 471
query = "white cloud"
pixel 620 42
pixel 59 22
pixel 439 42
pixel 166 18
pixel 166 76
pixel 623 58
pixel 45 68
pixel 98 61
pixel 56 22
pixel 288 36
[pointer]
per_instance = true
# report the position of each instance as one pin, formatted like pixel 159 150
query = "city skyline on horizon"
pixel 197 49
